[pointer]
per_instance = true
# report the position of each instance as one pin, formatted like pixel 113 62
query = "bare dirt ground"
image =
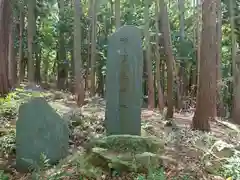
pixel 185 149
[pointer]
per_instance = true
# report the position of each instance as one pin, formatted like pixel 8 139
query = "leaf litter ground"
pixel 187 152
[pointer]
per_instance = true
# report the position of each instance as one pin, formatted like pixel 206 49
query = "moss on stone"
pixel 126 153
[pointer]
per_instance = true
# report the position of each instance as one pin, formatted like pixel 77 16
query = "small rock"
pixel 217 178
pixel 213 166
pixel 225 152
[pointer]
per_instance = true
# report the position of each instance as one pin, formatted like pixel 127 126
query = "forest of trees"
pixel 191 58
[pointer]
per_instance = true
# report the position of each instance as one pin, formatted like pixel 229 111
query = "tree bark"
pixel 93 49
pixel 46 68
pixel 220 105
pixel 62 64
pixel 236 107
pixel 78 67
pixel 90 2
pixel 235 67
pixel 198 32
pixel 206 95
pixel 12 64
pixel 20 51
pixel 181 74
pixel 158 59
pixel 31 33
pixel 165 26
pixel 117 13
pixel 5 19
pixel 38 66
pixel 151 101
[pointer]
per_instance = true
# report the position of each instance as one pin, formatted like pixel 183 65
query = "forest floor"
pixel 187 154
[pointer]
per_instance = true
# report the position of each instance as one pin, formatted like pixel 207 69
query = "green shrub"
pixel 8 143
pixel 3 176
pixel 153 175
pixel 158 174
pixel 232 167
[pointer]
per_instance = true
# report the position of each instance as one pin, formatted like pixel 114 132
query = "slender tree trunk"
pixel 206 95
pixel 100 79
pixel 163 73
pixel 62 63
pixel 117 13
pixel 90 2
pixel 181 74
pixel 198 31
pixel 31 33
pixel 5 19
pixel 20 51
pixel 12 68
pixel 151 101
pixel 107 30
pixel 38 66
pixel 72 72
pixel 193 78
pixel 46 68
pixel 93 49
pixel 112 13
pixel 235 67
pixel 158 79
pixel 220 105
pixel 79 80
pixel 165 26
pixel 236 97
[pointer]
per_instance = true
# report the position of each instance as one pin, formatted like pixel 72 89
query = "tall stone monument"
pixel 124 82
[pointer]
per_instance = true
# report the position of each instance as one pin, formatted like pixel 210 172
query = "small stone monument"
pixel 124 82
pixel 39 131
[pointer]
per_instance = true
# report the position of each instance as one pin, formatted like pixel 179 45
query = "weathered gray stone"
pixel 124 82
pixel 39 130
pixel 126 153
pixel 131 143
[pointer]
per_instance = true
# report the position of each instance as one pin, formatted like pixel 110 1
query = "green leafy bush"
pixel 8 143
pixel 9 105
pixel 153 175
pixel 39 172
pixel 3 176
pixel 158 174
pixel 232 167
